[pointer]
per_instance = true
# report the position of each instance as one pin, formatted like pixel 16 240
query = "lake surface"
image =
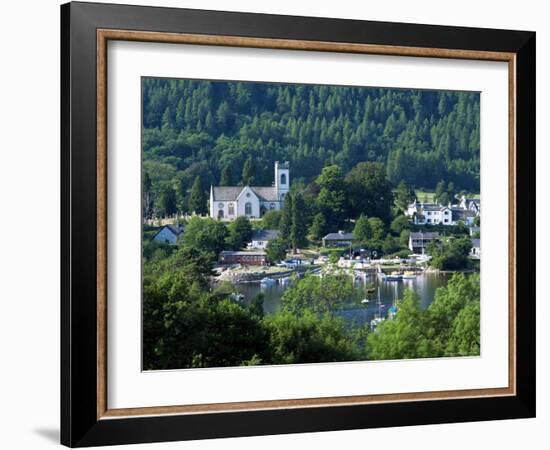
pixel 424 285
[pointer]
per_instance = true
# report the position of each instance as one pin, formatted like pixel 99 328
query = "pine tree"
pixel 298 228
pixel 197 198
pixel 226 178
pixel 404 195
pixel 362 230
pixel 286 218
pixel 318 227
pixel 249 172
pixel 168 201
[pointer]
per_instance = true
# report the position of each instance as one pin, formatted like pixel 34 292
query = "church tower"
pixel 282 179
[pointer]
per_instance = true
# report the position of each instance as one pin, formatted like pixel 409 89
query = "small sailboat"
pixel 378 318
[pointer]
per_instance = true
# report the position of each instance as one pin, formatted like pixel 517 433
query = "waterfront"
pixel 425 285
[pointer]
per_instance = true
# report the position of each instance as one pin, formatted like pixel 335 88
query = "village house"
pixel 168 234
pixel 340 239
pixel 463 215
pixel 258 258
pixel 475 252
pixel 260 238
pixel 230 202
pixel 429 214
pixel 419 241
pixel 471 204
pixel 434 214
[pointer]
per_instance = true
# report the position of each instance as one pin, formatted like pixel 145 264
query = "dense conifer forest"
pixel 211 130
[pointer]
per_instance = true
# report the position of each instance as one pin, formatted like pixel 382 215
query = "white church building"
pixel 230 202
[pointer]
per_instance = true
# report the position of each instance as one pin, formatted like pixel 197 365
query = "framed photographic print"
pixel 272 224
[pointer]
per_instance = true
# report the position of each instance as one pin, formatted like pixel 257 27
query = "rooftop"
pixel 241 253
pixel 340 236
pixel 230 193
pixel 427 235
pixel 177 229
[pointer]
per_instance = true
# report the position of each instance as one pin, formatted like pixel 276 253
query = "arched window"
pixel 231 211
pixel 272 206
pixel 283 178
pixel 220 214
pixel 248 208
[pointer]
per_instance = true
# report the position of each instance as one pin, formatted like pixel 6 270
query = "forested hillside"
pixel 208 130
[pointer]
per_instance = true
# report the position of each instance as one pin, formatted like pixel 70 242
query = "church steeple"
pixel 282 179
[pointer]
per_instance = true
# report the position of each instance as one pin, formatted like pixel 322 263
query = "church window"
pixel 220 205
pixel 220 214
pixel 248 208
pixel 231 209
pixel 272 206
pixel 283 178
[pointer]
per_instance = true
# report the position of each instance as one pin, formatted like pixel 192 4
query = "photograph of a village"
pixel 295 223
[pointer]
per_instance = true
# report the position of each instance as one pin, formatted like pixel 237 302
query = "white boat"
pixel 378 318
pixel 267 281
pixel 408 275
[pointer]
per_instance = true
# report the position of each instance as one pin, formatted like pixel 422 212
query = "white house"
pixel 471 204
pixel 230 202
pixel 260 238
pixel 168 234
pixel 430 214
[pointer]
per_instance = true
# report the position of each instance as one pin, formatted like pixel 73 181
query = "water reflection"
pixel 424 285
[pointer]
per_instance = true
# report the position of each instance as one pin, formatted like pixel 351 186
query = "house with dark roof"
pixel 169 234
pixel 471 204
pixel 419 241
pixel 230 202
pixel 340 239
pixel 260 238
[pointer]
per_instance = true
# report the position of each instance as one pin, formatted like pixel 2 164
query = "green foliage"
pixel 207 234
pixel 376 227
pixel 451 255
pixel 391 245
pixel 449 327
pixel 249 172
pixel 148 196
pixel 226 177
pixel 318 228
pixel 464 337
pixel 285 223
pixel 240 233
pixel 197 198
pixel 320 294
pixel 308 338
pixel 370 192
pixel 276 249
pixel 362 230
pixel 199 127
pixel 298 228
pixel 168 202
pixel 403 337
pixel 271 220
pixel 332 198
pixel 404 195
pixel 399 224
